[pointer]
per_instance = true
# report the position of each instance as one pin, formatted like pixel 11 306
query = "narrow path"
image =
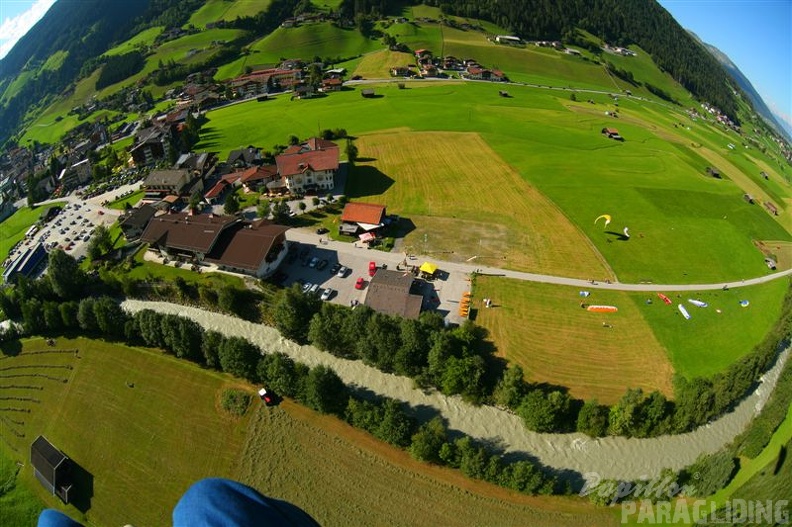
pixel 609 457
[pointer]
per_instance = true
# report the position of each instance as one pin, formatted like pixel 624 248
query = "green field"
pixel 710 341
pixel 144 38
pixel 13 228
pixel 308 41
pixel 686 228
pixel 169 432
pixel 132 200
pixel 214 10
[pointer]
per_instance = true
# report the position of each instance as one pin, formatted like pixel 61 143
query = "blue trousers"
pixel 216 502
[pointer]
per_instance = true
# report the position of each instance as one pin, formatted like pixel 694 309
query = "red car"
pixel 266 397
pixel 372 268
pixel 359 283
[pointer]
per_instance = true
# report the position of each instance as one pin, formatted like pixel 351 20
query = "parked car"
pixel 307 287
pixel 334 269
pixel 313 262
pixel 314 288
pixel 342 271
pixel 359 283
pixel 322 264
pixel 322 230
pixel 327 293
pixel 372 268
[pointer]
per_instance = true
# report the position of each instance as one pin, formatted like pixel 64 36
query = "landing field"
pixel 169 432
pixel 542 328
pixel 685 227
pixel 483 211
pixel 710 341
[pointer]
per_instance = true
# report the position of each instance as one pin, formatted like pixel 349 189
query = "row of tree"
pixel 454 360
pixel 119 67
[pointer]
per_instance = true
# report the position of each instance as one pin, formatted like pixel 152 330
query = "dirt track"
pixel 610 457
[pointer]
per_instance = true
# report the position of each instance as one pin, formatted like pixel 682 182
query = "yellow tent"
pixel 428 268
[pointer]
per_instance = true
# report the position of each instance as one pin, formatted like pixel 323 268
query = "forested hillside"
pixel 83 29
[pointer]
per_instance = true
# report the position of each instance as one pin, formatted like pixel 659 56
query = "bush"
pixel 235 402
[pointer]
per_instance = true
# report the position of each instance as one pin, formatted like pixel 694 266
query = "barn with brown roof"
pixel 361 217
pixel 182 234
pixel 255 248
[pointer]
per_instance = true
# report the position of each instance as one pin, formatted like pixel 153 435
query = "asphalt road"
pixel 304 236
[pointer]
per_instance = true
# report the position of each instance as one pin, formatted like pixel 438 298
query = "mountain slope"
pixel 746 86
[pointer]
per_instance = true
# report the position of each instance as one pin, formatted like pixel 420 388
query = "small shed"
pixel 771 208
pixel 51 467
pixel 714 172
pixel 748 198
pixel 367 92
pixel 612 133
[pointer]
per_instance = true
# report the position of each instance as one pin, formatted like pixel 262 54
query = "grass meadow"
pixel 144 38
pixel 214 10
pixel 686 227
pixel 132 199
pixel 710 340
pixel 140 447
pixel 542 328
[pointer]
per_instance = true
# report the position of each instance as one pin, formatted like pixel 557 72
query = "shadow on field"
pixel 367 181
pixel 619 236
pixel 83 489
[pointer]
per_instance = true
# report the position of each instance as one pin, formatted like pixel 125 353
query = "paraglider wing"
pixel 627 232
pixel 607 219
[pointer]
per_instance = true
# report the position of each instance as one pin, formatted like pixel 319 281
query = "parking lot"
pixel 70 230
pixel 442 294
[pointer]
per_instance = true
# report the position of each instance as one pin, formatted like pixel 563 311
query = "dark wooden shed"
pixel 51 467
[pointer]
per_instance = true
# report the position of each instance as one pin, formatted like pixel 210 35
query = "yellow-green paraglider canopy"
pixel 428 268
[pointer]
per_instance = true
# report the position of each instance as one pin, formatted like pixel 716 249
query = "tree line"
pixel 119 67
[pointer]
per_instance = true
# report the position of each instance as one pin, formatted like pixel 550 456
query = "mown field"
pixel 686 227
pixel 483 210
pixel 141 447
pixel 141 426
pixel 377 64
pixel 542 328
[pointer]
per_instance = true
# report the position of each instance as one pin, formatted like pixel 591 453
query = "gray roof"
pixel 166 177
pixel 389 293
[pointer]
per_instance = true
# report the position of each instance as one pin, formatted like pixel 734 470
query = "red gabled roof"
pixel 258 173
pixel 216 190
pixel 371 213
pixel 314 154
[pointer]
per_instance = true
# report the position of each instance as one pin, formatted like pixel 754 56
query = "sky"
pixel 755 34
pixel 16 18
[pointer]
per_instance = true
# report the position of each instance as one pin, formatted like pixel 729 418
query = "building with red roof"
pixel 361 217
pixel 311 165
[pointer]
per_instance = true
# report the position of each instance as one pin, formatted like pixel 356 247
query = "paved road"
pixel 303 236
